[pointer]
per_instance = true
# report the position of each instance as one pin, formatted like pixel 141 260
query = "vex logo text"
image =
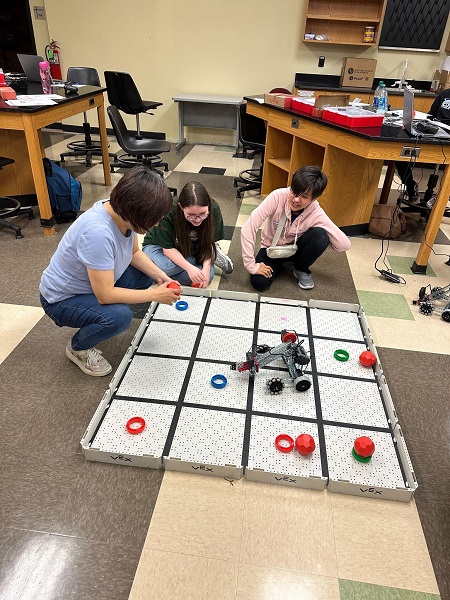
pixel 371 490
pixel 121 457
pixel 286 478
pixel 203 468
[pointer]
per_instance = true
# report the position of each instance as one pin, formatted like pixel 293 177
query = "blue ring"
pixel 219 381
pixel 181 305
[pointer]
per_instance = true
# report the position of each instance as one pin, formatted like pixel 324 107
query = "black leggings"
pixel 311 245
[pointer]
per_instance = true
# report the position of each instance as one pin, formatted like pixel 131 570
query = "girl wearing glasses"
pixel 184 244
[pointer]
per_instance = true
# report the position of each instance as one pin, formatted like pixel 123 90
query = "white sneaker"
pixel 223 261
pixel 89 361
pixel 305 281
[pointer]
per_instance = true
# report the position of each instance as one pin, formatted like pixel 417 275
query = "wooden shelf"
pixel 344 21
pixel 282 163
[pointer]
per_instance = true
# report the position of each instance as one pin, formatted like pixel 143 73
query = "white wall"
pixel 236 47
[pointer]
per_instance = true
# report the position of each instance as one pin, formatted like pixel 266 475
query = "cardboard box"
pixel 281 100
pixel 435 82
pixel 358 72
pixel 332 100
pixel 444 80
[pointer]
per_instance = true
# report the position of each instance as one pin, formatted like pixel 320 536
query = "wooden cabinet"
pixel 343 21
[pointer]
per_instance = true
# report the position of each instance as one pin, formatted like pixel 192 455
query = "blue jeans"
pixel 170 268
pixel 96 322
pixel 310 246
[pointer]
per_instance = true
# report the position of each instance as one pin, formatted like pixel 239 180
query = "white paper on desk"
pixel 34 100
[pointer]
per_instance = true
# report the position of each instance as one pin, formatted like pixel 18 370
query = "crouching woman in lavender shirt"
pixel 98 268
pixel 306 226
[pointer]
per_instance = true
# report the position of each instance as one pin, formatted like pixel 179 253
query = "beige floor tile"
pixel 198 515
pixel 288 528
pixel 381 542
pixel 170 576
pixel 261 583
pixel 15 322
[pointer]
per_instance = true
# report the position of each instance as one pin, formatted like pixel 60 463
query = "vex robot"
pixel 428 297
pixel 291 351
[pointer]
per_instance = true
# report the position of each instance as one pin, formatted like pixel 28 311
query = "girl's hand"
pixel 196 275
pixel 264 270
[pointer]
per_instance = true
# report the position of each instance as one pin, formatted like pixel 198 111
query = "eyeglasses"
pixel 194 218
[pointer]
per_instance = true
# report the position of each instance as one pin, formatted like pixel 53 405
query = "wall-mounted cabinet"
pixel 344 21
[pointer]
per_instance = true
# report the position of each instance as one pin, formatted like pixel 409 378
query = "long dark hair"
pixel 141 198
pixel 195 194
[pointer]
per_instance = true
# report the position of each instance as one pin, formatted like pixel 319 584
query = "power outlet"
pixel 410 152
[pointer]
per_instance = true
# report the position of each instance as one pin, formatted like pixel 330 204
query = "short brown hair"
pixel 141 198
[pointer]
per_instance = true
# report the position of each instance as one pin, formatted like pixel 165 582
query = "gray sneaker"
pixel 305 281
pixel 223 261
pixel 89 361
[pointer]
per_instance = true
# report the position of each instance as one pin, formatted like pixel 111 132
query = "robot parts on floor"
pixel 291 351
pixel 428 297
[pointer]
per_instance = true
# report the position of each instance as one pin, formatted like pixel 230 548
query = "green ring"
pixel 363 459
pixel 341 355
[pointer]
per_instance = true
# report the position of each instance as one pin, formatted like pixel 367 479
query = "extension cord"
pixel 392 277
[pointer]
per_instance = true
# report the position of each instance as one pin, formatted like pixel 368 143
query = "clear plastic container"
pixel 44 69
pixel 380 99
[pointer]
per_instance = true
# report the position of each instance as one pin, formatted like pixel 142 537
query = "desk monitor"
pixel 30 66
pixel 408 110
pixel 412 128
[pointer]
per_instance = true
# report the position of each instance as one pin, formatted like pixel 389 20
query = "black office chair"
pixel 123 93
pixel 10 207
pixel 252 135
pixel 136 151
pixel 86 147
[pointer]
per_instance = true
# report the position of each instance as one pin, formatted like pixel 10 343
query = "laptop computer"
pixel 410 124
pixel 30 66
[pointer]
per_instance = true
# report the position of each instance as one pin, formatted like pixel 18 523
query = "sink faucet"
pixel 402 81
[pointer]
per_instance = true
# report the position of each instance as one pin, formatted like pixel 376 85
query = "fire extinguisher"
pixel 52 55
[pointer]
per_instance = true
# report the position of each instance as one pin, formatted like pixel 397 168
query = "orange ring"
pixel 284 437
pixel 135 430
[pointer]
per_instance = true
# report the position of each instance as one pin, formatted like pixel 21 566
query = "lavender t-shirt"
pixel 92 241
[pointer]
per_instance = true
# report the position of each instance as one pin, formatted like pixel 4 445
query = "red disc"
pixel 284 437
pixel 135 425
pixel 174 285
pixel 305 444
pixel 367 358
pixel 195 284
pixel 364 446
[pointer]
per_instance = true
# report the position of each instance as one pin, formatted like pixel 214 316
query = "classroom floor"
pixel 75 529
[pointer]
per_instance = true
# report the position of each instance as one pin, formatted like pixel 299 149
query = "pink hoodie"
pixel 270 211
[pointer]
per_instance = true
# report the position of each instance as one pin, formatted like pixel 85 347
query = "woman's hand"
pixel 166 295
pixel 264 270
pixel 196 275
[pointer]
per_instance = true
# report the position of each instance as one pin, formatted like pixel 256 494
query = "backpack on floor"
pixel 64 191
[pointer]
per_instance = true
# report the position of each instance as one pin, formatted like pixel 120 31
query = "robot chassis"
pixel 293 354
pixel 427 301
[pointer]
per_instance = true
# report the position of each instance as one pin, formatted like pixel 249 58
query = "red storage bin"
pixel 303 104
pixel 352 117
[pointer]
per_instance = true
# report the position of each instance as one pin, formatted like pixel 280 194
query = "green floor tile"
pixel 357 590
pixel 246 209
pixel 402 265
pixel 381 304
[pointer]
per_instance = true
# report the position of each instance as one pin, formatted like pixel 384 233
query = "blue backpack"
pixel 64 191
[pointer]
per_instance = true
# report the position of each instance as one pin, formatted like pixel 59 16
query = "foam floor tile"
pixel 381 304
pixel 356 590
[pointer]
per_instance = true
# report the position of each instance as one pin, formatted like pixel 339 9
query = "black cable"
pixel 387 273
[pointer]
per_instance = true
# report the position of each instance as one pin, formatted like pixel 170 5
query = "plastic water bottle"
pixel 44 69
pixel 380 99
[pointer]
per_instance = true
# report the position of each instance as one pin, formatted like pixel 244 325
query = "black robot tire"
pixel 446 316
pixel 302 384
pixel 426 308
pixel 275 385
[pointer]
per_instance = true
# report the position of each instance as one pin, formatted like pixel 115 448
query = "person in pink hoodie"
pixel 307 226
